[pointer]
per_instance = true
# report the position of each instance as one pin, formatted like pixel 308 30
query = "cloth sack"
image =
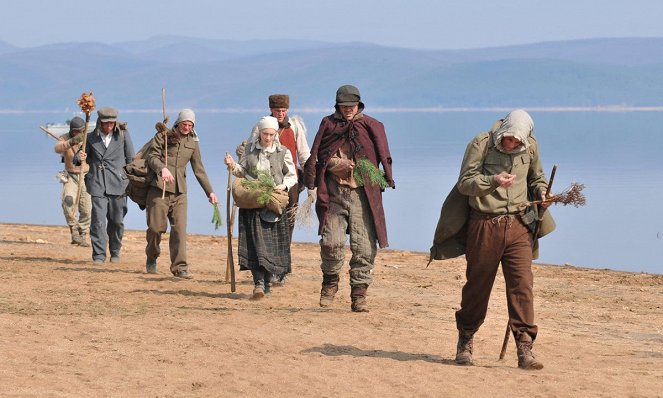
pixel 246 198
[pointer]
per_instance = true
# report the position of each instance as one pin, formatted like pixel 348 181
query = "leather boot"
pixel 329 289
pixel 464 348
pixel 358 295
pixel 526 359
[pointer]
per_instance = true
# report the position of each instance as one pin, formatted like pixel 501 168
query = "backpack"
pixel 140 177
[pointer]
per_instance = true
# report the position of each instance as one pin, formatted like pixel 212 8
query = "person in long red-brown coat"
pixel 348 200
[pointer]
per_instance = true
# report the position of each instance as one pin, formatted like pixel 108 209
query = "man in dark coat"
pixel 345 204
pixel 107 151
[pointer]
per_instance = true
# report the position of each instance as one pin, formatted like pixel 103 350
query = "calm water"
pixel 616 155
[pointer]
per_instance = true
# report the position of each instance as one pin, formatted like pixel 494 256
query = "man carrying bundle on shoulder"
pixel 169 204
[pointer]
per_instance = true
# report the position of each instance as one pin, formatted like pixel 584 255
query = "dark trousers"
pixel 107 226
pixel 159 212
pixel 491 241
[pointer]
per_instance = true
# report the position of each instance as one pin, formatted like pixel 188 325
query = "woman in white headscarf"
pixel 264 236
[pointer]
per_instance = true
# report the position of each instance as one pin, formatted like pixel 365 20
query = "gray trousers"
pixel 107 225
pixel 349 213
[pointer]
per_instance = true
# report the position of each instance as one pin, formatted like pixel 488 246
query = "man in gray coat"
pixel 107 151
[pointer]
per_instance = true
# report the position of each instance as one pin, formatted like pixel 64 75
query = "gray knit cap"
pixel 76 124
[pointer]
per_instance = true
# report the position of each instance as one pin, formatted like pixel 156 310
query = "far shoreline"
pixel 426 254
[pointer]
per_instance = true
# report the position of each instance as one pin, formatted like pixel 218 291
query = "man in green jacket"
pixel 182 148
pixel 496 176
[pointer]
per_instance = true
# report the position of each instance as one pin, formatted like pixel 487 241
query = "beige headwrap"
pixel 516 124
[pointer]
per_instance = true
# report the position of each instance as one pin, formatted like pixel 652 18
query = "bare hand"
pixel 544 196
pixel 166 175
pixel 505 179
pixel 229 161
pixel 280 187
pixel 213 199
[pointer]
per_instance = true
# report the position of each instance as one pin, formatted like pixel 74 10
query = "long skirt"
pixel 263 244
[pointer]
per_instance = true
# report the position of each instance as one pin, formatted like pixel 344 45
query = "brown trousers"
pixel 492 240
pixel 159 212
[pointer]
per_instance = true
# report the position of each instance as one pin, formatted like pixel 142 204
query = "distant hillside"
pixel 220 74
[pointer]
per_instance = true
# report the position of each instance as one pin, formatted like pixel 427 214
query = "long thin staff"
pixel 165 136
pixel 86 103
pixel 230 261
pixel 49 133
pixel 542 209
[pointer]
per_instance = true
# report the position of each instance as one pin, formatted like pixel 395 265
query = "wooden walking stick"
pixel 165 137
pixel 542 209
pixel 49 133
pixel 230 220
pixel 86 102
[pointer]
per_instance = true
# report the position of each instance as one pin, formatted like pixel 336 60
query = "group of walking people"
pixel 501 171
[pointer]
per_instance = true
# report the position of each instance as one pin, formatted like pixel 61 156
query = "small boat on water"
pixel 58 129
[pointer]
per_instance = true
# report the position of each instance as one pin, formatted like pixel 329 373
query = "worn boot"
pixel 358 295
pixel 75 235
pixel 82 241
pixel 464 348
pixel 329 289
pixel 526 359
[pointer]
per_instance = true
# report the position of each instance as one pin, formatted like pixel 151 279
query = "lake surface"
pixel 616 155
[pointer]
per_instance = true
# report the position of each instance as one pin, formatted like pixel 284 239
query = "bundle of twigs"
pixel 570 196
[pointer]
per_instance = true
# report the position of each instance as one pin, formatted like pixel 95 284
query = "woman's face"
pixel 267 137
pixel 510 143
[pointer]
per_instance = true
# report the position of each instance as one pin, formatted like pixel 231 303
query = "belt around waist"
pixel 477 215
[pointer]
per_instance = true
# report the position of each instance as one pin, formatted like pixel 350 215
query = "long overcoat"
pixel 106 175
pixel 368 139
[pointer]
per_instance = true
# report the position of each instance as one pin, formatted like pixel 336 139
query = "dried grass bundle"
pixel 571 196
pixel 303 213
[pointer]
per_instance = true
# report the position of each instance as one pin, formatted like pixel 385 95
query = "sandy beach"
pixel 70 328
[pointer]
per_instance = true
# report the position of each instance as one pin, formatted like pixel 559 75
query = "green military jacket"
pixel 477 189
pixel 179 155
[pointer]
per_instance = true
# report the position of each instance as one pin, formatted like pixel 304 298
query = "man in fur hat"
pixel 183 148
pixel 343 204
pixel 78 218
pixel 108 149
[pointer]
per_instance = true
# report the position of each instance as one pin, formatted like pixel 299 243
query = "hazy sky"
pixel 404 23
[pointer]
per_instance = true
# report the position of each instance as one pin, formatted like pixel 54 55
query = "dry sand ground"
pixel 73 329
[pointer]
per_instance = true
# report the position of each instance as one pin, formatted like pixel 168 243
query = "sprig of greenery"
pixel 216 217
pixel 364 167
pixel 264 183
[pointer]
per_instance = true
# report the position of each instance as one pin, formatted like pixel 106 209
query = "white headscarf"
pixel 517 124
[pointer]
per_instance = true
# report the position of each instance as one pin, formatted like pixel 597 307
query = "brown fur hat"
pixel 279 101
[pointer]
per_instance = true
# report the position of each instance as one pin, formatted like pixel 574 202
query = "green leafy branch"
pixel 216 217
pixel 364 167
pixel 264 183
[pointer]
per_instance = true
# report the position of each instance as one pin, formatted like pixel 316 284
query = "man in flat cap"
pixel 78 218
pixel 108 149
pixel 292 135
pixel 349 201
